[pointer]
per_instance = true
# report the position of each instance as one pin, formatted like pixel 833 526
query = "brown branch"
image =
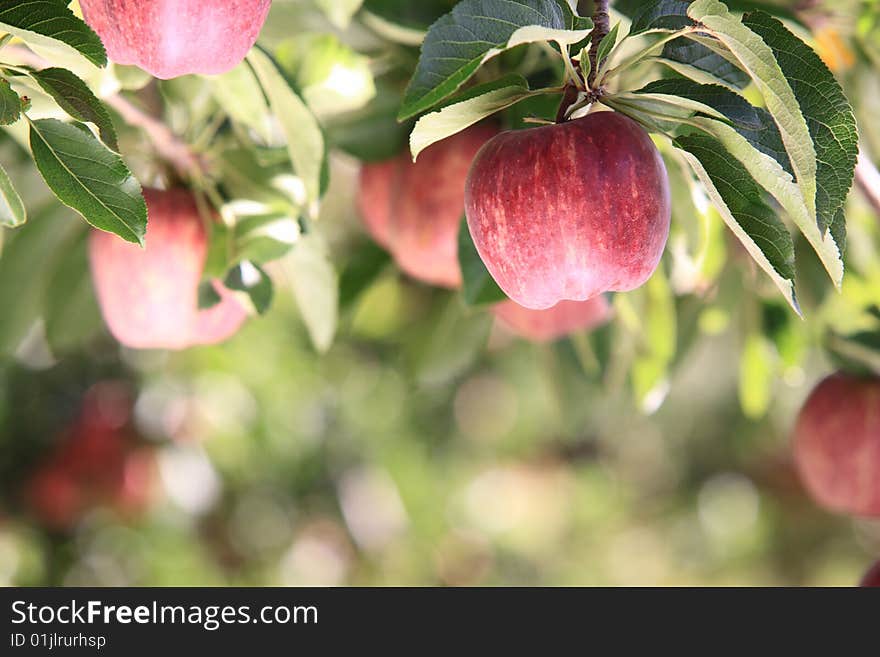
pixel 601 26
pixel 167 145
pixel 868 180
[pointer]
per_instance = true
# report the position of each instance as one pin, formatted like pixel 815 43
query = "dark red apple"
pixel 169 38
pixel 149 296
pixel 553 323
pixel 872 577
pixel 414 209
pixel 569 211
pixel 837 444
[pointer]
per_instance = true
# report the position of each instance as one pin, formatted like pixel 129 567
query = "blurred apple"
pixel 569 211
pixel 872 577
pixel 837 444
pixel 149 296
pixel 414 209
pixel 553 323
pixel 169 38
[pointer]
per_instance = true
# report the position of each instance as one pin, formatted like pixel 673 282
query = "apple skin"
pixel 149 296
pixel 569 211
pixel 414 209
pixel 837 444
pixel 872 577
pixel 553 323
pixel 169 38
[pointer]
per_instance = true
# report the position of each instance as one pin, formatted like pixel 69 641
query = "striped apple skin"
pixel 569 211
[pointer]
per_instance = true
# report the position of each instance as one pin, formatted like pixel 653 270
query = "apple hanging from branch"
pixel 569 211
pixel 414 208
pixel 149 296
pixel 170 38
pixel 837 444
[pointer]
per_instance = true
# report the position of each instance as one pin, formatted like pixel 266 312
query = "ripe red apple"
pixel 169 38
pixel 414 209
pixel 149 296
pixel 553 323
pixel 837 444
pixel 872 577
pixel 569 211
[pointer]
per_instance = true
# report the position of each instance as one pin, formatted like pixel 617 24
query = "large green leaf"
pixel 239 94
pixel 315 288
pixel 661 15
pixel 828 113
pixel 305 141
pixel 49 24
pixel 75 98
pixel 740 202
pixel 12 210
pixel 758 60
pixel 477 30
pixel 88 177
pixel 478 103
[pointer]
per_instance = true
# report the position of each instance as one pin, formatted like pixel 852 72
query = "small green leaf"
pixel 477 30
pixel 585 63
pixel 315 288
pixel 305 141
pixel 75 98
pixel 739 200
pixel 51 25
pixel 12 210
pixel 88 177
pixel 239 94
pixel 478 285
pixel 828 113
pixel 10 103
pixel 607 44
pixel 478 103
pixel 207 295
pixel 362 269
pixel 252 280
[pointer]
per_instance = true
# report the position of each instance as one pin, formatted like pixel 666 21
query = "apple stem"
pixel 601 26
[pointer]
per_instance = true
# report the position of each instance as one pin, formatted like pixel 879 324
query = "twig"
pixel 169 146
pixel 868 180
pixel 601 26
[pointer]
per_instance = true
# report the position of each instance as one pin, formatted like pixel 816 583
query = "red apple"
pixel 169 38
pixel 149 296
pixel 414 209
pixel 553 323
pixel 872 577
pixel 837 444
pixel 569 211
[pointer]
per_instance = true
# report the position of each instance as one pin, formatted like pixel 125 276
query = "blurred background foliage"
pixel 425 445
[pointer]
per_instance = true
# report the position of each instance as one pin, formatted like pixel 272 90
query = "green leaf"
pixel 75 98
pixel 585 63
pixel 362 269
pixel 739 200
pixel 758 60
pixel 252 280
pixel 607 44
pixel 661 15
pixel 756 376
pixel 12 210
pixel 475 31
pixel 763 168
pixel 315 289
pixel 696 61
pixel 10 103
pixel 265 236
pixel 51 25
pixel 239 94
pixel 827 112
pixel 88 177
pixel 478 285
pixel 305 141
pixel 478 103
